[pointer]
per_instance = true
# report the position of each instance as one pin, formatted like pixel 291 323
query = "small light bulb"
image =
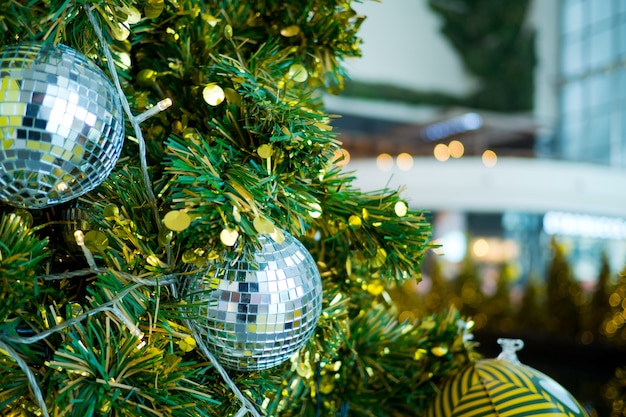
pixel 160 106
pixel 164 104
pixel 80 237
pixel 62 186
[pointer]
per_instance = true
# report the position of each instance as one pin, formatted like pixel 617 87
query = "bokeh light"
pixel 342 157
pixel 406 316
pixel 454 244
pixel 456 149
pixel 489 158
pixel 404 161
pixel 441 152
pixel 480 248
pixel 384 162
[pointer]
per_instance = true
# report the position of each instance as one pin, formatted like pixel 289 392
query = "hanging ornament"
pixel 61 125
pixel 504 387
pixel 255 312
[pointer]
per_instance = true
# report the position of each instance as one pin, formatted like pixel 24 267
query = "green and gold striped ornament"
pixel 504 387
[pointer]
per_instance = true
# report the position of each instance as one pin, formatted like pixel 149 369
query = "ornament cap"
pixel 509 349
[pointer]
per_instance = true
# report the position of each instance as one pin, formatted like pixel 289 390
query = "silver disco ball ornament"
pixel 256 313
pixel 61 125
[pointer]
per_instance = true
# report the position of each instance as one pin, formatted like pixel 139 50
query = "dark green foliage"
pixel 467 290
pixel 385 368
pixel 111 339
pixel 22 256
pixel 497 307
pixel 496 46
pixel 564 298
pixel 599 307
pixel 114 377
pixel 531 314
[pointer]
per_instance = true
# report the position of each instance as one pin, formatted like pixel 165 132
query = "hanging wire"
pixel 247 407
pixel 111 306
pixel 134 121
pixel 32 380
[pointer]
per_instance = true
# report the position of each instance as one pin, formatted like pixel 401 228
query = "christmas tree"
pixel 564 297
pixel 530 316
pixel 468 294
pixel 613 325
pixel 498 308
pixel 165 167
pixel 599 307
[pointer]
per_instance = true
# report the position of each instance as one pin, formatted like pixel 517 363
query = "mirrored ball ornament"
pixel 256 313
pixel 61 125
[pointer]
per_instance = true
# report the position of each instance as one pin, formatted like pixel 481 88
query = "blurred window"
pixel 593 81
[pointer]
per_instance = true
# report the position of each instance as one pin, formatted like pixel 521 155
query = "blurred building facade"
pixel 499 184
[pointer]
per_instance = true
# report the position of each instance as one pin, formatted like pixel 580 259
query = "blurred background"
pixel 506 122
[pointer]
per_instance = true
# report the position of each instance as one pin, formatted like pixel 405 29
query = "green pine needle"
pixel 22 256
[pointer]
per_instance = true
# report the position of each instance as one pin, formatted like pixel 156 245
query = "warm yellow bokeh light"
pixel 614 299
pixel 384 162
pixel 489 158
pixel 442 152
pixel 404 161
pixel 438 246
pixel 456 149
pixel 480 248
pixel 342 157
pixel 406 316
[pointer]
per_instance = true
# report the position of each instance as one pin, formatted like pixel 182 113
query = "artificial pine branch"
pixel 22 254
pixel 113 339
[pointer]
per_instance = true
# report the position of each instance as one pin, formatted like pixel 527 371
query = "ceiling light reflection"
pixel 384 162
pixel 342 157
pixel 456 149
pixel 404 161
pixel 441 152
pixel 489 158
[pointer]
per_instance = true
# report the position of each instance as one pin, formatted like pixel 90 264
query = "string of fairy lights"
pixel 111 306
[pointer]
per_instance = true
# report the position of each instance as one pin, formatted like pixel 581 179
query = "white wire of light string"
pixel 109 306
pixel 247 406
pixel 134 120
